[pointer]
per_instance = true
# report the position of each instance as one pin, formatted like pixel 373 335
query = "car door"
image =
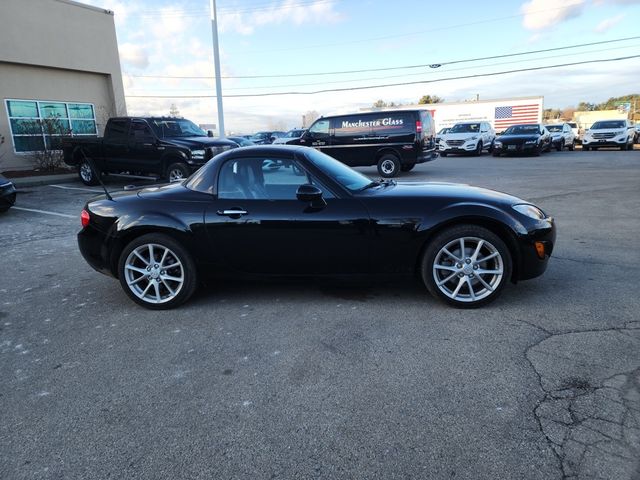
pixel 115 146
pixel 318 136
pixel 143 155
pixel 257 225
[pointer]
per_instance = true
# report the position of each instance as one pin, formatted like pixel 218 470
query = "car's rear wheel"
pixel 388 166
pixel 157 272
pixel 466 266
pixel 87 174
pixel 407 168
pixel 177 172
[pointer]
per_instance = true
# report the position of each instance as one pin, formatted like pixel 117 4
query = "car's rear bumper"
pixel 93 249
pixel 531 264
pixel 426 156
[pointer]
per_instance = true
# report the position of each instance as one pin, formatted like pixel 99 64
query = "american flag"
pixel 516 114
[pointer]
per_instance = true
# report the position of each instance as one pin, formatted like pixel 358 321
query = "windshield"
pixel 443 131
pixel 608 124
pixel 176 127
pixel 523 129
pixel 338 171
pixel 294 133
pixel 573 125
pixel 554 128
pixel 260 136
pixel 465 128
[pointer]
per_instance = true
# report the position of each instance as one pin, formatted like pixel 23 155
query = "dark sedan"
pixel 529 139
pixel 7 194
pixel 312 216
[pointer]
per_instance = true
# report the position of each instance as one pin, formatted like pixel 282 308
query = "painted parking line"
pixel 34 210
pixel 77 188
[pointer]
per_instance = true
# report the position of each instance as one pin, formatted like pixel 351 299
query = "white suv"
pixel 467 137
pixel 609 133
pixel 562 136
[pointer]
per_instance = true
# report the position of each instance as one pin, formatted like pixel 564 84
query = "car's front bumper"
pixel 516 148
pixel 469 147
pixel 531 264
pixel 608 142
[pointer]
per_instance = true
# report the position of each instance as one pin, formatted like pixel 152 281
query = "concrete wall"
pixel 57 50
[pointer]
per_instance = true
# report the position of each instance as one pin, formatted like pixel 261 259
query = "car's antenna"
pixel 94 170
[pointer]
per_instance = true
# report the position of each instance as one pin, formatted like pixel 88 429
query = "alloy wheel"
pixel 154 273
pixel 86 173
pixel 175 175
pixel 468 269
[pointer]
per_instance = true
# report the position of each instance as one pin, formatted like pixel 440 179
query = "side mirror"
pixel 209 133
pixel 310 194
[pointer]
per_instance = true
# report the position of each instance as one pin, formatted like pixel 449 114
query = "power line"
pixel 418 82
pixel 405 67
pixel 433 72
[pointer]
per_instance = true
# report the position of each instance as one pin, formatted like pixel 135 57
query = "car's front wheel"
pixel 466 266
pixel 157 272
pixel 560 146
pixel 388 166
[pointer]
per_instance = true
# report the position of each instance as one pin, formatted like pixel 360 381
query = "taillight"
pixel 418 126
pixel 84 218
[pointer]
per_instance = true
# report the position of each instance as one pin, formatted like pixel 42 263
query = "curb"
pixel 42 180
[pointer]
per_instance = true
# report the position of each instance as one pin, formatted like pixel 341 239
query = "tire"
pixel 560 146
pixel 538 151
pixel 87 174
pixel 585 149
pixel 172 286
pixel 443 154
pixel 456 290
pixel 407 168
pixel 572 147
pixel 490 148
pixel 478 150
pixel 388 166
pixel 176 172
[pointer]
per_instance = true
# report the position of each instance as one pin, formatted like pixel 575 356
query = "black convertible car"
pixel 290 210
pixel 531 139
pixel 7 194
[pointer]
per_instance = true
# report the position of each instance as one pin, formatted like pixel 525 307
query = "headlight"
pixel 497 144
pixel 475 137
pixel 530 211
pixel 621 132
pixel 197 154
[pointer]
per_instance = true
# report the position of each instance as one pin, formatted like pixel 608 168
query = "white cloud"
pixel 134 55
pixel 284 12
pixel 542 14
pixel 608 23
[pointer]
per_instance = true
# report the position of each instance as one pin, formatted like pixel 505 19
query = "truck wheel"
pixel 407 168
pixel 388 166
pixel 86 173
pixel 177 172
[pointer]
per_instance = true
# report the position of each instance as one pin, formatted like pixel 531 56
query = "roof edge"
pixel 88 7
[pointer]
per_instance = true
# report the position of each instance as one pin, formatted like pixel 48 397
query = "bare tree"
pixel 309 117
pixel 173 111
pixel 46 152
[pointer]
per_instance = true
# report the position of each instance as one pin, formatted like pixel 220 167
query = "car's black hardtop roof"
pixel 267 150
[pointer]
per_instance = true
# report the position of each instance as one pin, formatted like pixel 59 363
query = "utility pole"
pixel 216 64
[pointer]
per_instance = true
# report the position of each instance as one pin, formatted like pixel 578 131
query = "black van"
pixel 394 140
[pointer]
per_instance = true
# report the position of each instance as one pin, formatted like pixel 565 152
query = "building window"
pixel 27 117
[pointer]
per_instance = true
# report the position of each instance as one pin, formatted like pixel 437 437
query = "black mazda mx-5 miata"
pixel 295 211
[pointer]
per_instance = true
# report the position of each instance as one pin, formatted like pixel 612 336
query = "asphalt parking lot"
pixel 316 380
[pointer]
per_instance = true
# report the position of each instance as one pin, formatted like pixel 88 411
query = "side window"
pixel 117 131
pixel 263 179
pixel 139 132
pixel 319 130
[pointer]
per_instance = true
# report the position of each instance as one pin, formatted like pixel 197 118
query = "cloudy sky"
pixel 304 45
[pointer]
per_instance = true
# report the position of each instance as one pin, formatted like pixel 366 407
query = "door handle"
pixel 232 212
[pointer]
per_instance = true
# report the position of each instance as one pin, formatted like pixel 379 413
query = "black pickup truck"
pixel 151 147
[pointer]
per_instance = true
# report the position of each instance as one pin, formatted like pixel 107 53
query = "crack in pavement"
pixel 589 412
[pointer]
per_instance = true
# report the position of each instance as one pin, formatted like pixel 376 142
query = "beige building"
pixel 58 58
